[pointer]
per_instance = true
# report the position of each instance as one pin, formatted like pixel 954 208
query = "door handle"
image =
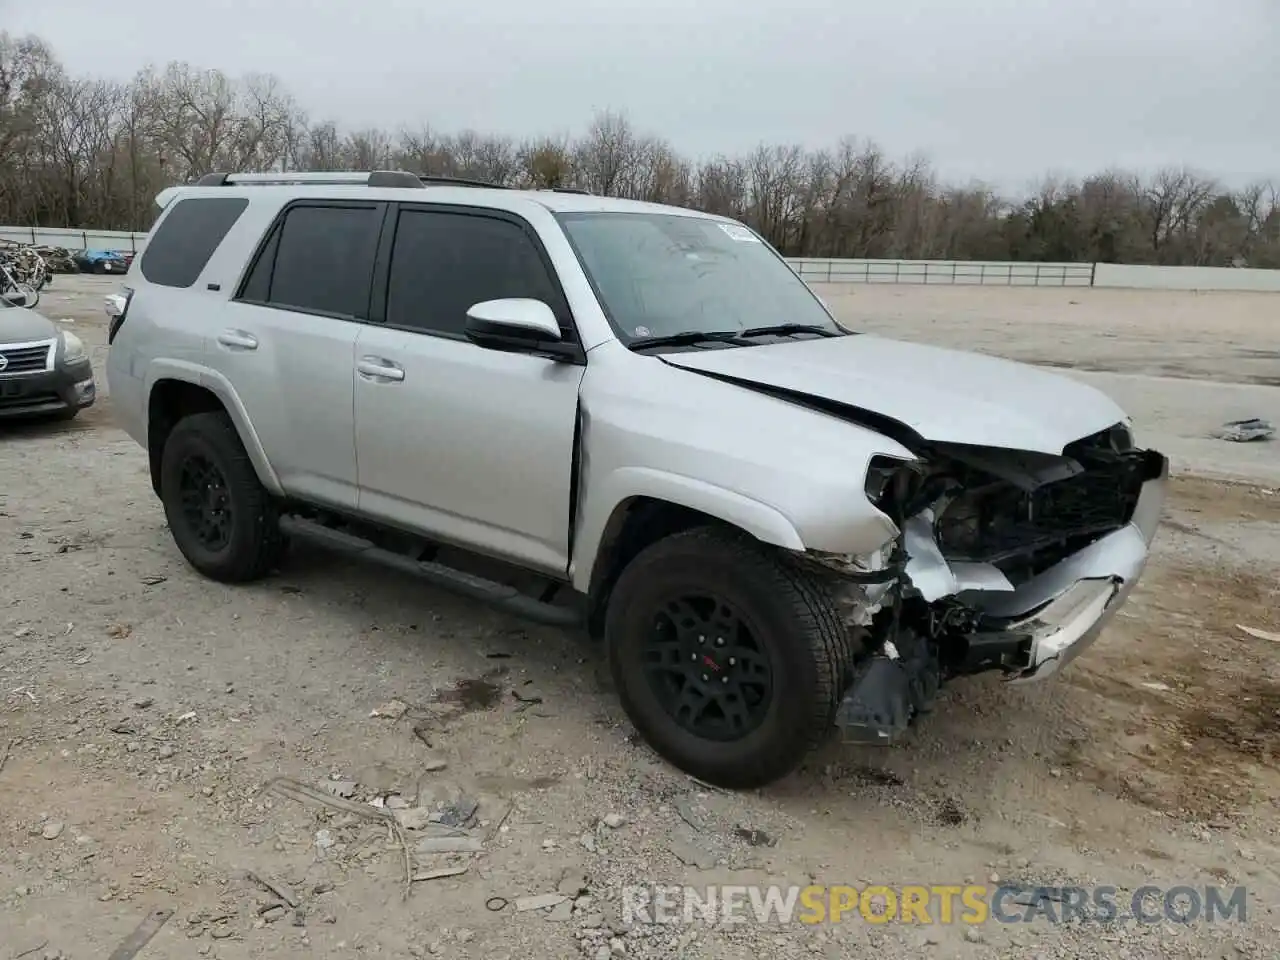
pixel 376 368
pixel 238 340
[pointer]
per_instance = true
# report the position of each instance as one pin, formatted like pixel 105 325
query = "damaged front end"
pixel 1005 560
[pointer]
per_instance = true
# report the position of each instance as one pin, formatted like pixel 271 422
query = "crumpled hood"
pixel 947 396
pixel 19 325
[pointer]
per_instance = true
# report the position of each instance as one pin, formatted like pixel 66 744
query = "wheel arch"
pixel 657 505
pixel 175 391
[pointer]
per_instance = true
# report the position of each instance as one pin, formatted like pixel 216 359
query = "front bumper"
pixel 68 386
pixel 1050 620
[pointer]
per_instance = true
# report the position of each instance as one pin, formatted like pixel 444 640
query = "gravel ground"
pixel 146 714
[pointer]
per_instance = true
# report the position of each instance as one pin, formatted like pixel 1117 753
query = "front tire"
pixel 729 660
pixel 221 517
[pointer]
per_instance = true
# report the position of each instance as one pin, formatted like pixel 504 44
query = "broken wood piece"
pixel 276 887
pixel 141 935
pixel 1259 634
pixel 439 873
pixel 538 902
pixel 463 844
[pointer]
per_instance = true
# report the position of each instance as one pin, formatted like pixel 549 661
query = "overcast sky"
pixel 996 90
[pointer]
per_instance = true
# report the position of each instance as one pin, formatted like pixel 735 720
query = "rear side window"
pixel 320 259
pixel 186 238
pixel 442 264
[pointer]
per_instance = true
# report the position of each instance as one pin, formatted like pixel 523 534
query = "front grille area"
pixel 25 359
pixel 1028 531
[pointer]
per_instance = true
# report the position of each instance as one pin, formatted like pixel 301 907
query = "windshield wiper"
pixel 783 329
pixel 691 337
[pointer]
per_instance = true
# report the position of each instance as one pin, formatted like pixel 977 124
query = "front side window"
pixel 443 263
pixel 320 259
pixel 660 275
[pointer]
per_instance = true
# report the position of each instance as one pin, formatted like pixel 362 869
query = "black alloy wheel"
pixel 707 669
pixel 206 502
pixel 728 657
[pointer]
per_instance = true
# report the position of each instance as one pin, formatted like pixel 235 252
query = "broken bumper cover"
pixel 1028 632
pixel 1050 620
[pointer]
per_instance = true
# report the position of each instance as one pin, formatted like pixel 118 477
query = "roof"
pixel 499 198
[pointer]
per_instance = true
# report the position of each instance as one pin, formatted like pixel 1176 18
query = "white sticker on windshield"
pixel 741 234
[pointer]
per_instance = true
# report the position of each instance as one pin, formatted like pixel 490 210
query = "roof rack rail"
pixel 585 193
pixel 443 181
pixel 370 178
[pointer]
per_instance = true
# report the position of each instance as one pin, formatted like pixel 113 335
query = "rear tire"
pixel 221 517
pixel 744 677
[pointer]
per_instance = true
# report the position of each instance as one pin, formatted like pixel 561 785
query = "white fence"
pixel 969 272
pixel 987 273
pixel 1133 276
pixel 76 239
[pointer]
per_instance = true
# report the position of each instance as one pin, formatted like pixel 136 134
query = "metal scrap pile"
pixel 58 259
pixel 24 265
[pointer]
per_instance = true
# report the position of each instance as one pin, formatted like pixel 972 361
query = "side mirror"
pixel 511 323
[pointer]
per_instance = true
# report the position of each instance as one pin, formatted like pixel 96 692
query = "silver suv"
pixel 632 417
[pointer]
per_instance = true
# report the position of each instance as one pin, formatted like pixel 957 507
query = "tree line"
pixel 80 151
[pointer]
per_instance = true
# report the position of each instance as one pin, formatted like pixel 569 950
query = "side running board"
pixel 500 595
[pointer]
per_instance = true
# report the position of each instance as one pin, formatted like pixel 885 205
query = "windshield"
pixel 658 275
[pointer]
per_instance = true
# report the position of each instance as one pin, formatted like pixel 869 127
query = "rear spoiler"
pixel 167 196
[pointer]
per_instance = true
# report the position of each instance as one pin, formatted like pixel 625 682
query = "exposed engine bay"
pixel 1005 560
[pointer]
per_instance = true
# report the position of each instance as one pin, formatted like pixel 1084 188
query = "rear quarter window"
pixel 185 240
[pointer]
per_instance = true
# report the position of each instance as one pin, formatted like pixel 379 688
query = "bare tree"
pixel 77 151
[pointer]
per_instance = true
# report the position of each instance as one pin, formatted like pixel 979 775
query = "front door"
pixel 472 445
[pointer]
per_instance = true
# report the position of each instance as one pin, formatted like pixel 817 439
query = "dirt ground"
pixel 145 715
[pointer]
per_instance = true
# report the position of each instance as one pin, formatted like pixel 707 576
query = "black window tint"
pixel 444 263
pixel 324 259
pixel 187 237
pixel 258 285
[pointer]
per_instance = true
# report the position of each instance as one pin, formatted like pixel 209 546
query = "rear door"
pixel 287 342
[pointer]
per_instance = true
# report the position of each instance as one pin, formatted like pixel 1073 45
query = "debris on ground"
pixel 689 813
pixel 274 886
pixel 1259 634
pixel 141 935
pixel 753 837
pixel 691 854
pixel 459 842
pixel 1245 431
pixel 439 873
pixel 292 789
pixel 540 901
pixel 391 710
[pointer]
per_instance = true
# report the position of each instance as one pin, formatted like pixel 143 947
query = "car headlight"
pixel 881 473
pixel 72 348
